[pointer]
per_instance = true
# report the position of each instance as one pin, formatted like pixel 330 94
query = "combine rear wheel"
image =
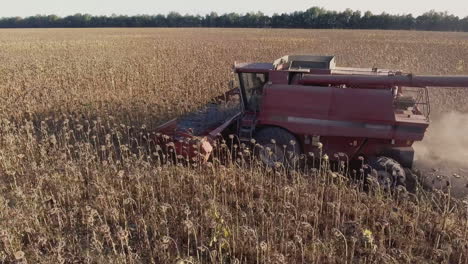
pixel 388 173
pixel 277 146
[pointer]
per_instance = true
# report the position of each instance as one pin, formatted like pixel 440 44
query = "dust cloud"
pixel 446 141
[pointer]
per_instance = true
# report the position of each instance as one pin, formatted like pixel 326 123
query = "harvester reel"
pixel 277 146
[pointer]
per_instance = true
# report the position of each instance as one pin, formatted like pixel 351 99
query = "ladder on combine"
pixel 247 127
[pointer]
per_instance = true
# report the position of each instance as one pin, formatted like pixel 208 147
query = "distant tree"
pixel 355 20
pixel 366 20
pixel 406 22
pixel 174 19
pixel 464 24
pixel 229 20
pixel 314 17
pixel 311 15
pixel 343 19
pixel 211 20
pixel 433 20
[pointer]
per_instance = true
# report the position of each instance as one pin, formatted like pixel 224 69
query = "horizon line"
pixel 233 12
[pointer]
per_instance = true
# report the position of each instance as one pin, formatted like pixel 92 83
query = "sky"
pixel 10 8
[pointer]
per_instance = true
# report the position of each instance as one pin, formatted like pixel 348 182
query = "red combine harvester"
pixel 308 105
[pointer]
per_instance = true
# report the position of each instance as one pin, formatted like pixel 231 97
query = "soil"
pixel 442 157
pixel 445 178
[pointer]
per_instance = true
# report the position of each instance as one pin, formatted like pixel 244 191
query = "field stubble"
pixel 69 194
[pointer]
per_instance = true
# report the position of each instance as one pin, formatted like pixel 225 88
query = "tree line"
pixel 314 17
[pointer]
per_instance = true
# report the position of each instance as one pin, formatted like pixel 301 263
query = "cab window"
pixel 252 85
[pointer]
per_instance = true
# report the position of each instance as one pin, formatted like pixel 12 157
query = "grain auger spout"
pixel 407 80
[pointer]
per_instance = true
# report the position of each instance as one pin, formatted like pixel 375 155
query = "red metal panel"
pixel 281 102
pixel 363 105
pixel 328 111
pixel 296 100
pixel 278 77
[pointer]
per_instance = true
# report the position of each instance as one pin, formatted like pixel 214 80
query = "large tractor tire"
pixel 278 146
pixel 388 173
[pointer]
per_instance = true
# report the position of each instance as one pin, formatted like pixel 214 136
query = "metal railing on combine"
pixel 420 96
